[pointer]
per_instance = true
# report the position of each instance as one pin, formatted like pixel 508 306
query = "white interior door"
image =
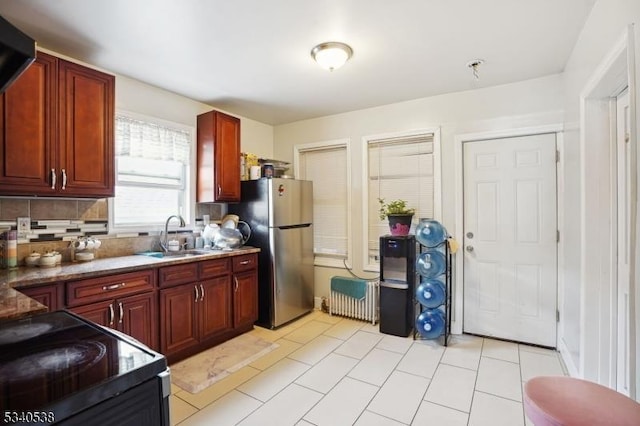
pixel 510 238
pixel 623 371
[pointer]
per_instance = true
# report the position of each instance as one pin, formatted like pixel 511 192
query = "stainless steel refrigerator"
pixel 280 213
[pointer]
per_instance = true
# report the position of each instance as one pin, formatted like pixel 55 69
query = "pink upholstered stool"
pixel 565 401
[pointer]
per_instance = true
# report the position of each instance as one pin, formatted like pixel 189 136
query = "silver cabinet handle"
pixel 235 287
pixel 113 286
pixel 244 262
pixel 197 295
pixel 219 191
pixel 121 313
pixel 64 179
pixel 201 291
pixel 469 249
pixel 111 315
pixel 53 178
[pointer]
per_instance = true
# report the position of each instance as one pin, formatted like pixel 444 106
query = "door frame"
pixel 458 282
pixel 598 344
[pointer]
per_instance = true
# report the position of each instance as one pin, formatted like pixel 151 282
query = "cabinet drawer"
pixel 178 274
pixel 245 262
pixel 214 268
pixel 102 288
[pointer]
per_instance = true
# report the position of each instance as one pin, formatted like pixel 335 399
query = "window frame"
pixel 328 260
pixel 189 176
pixel 369 140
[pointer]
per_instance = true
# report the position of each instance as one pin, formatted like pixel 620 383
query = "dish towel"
pixel 352 287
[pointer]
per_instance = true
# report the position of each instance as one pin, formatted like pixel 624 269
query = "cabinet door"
pixel 27 130
pixel 86 138
pixel 48 295
pixel 218 159
pixel 178 318
pixel 245 298
pixel 102 313
pixel 215 307
pixel 137 318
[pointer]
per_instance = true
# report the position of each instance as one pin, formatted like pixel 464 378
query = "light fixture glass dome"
pixel 331 55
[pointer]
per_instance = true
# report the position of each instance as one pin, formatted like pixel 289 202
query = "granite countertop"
pixel 14 304
pixel 29 276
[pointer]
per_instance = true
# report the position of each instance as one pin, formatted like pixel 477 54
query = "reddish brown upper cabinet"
pixel 56 131
pixel 218 158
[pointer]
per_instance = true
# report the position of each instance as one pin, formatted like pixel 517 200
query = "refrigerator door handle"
pixel 397 285
pixel 302 225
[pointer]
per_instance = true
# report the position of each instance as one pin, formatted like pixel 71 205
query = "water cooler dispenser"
pixel 397 284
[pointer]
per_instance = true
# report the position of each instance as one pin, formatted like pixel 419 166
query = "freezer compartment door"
pixel 293 264
pixel 291 202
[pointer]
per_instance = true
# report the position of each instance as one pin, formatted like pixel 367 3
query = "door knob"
pixel 469 249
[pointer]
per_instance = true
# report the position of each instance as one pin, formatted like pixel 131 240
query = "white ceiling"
pixel 252 57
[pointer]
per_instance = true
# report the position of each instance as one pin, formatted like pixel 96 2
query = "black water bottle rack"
pixel 446 305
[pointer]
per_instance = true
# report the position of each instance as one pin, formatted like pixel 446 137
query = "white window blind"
pixel 152 171
pixel 327 168
pixel 398 168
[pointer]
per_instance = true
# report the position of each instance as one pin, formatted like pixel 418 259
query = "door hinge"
pixel 557 236
pixel 557 315
pixel 557 156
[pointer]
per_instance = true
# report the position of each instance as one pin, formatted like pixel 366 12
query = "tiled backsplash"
pixel 55 222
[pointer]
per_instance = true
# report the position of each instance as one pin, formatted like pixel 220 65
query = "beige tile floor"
pixel 337 371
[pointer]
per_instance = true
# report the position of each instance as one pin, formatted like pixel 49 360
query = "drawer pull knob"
pixel 113 286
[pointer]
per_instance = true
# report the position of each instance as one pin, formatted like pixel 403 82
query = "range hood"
pixel 17 51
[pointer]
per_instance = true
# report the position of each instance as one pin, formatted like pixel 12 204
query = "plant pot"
pixel 399 224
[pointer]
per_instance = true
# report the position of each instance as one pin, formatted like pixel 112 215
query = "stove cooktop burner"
pixel 22 332
pixel 61 358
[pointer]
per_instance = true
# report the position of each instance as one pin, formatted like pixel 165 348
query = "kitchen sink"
pixel 176 254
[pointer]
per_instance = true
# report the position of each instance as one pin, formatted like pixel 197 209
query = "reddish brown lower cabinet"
pixel 48 295
pixel 178 319
pixel 245 298
pixel 192 314
pixel 219 304
pixel 133 315
pixel 245 290
pixel 126 302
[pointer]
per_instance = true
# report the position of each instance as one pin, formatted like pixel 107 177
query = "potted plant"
pixel 398 214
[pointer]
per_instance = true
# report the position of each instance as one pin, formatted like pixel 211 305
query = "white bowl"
pixel 84 257
pixel 47 260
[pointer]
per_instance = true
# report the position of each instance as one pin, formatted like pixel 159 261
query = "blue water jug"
pixel 431 293
pixel 431 263
pixel 430 233
pixel 430 323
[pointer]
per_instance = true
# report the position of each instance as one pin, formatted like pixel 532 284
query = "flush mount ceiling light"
pixel 331 55
pixel 474 64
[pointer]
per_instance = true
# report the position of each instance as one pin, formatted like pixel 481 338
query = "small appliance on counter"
pixel 60 368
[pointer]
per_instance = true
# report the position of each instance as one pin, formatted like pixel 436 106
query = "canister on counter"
pixel 9 249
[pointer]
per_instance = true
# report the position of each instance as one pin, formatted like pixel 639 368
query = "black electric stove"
pixel 58 368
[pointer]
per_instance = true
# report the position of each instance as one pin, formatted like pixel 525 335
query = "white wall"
pixel 142 98
pixel 528 103
pixel 606 25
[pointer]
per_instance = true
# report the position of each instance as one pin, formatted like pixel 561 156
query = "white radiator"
pixel 365 309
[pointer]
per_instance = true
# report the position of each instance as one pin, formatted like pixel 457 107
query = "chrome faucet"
pixel 164 243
